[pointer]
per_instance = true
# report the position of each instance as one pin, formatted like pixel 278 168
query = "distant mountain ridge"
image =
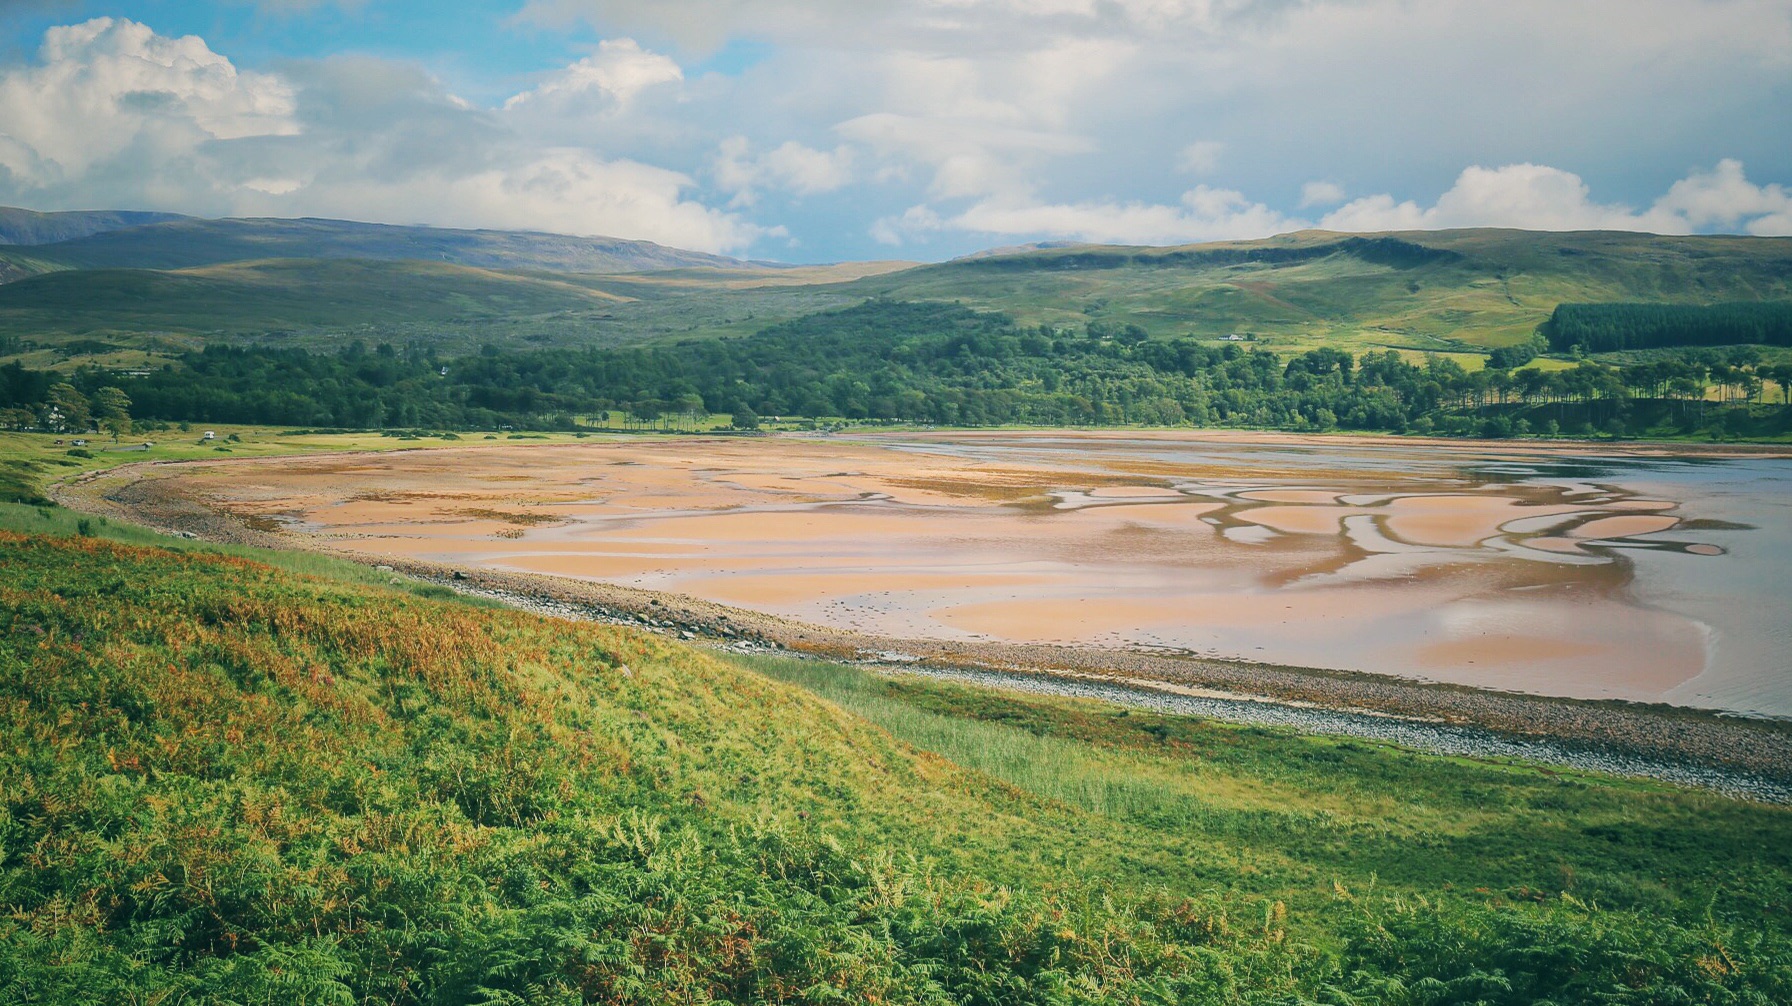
pixel 1379 249
pixel 29 227
pixel 124 240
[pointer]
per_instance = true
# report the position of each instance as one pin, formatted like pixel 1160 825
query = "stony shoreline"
pixel 1429 735
pixel 1735 755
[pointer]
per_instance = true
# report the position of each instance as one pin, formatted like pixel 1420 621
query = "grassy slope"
pixel 120 318
pixel 253 297
pixel 29 227
pixel 1495 293
pixel 1490 288
pixel 188 242
pixel 226 779
pixel 1275 814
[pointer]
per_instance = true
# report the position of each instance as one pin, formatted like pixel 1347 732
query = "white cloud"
pixel 1204 214
pixel 998 100
pixel 993 115
pixel 1724 197
pixel 561 191
pixel 108 87
pixel 1321 194
pixel 703 25
pixel 967 157
pixel 1539 197
pixel 113 114
pixel 1528 196
pixel 1201 157
pixel 791 166
pixel 914 222
pixel 619 70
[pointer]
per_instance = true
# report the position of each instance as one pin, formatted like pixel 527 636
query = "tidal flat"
pixel 1581 571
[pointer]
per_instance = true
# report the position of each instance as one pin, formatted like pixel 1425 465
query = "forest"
pixel 913 362
pixel 1607 328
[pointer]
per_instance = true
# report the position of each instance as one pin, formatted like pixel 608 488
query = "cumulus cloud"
pixel 914 222
pixel 791 166
pixel 1526 196
pixel 113 114
pixel 704 24
pixel 1203 214
pixel 1724 197
pixel 966 157
pixel 1539 197
pixel 994 101
pixel 552 190
pixel 106 88
pixel 1321 194
pixel 985 117
pixel 619 70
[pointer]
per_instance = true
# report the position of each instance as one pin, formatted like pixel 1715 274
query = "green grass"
pixel 1294 813
pixel 228 782
pixel 63 523
pixel 1502 285
pixel 256 297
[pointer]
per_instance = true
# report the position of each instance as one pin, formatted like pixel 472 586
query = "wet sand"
pixel 1439 563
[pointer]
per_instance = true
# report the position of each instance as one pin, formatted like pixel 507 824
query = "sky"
pixel 829 130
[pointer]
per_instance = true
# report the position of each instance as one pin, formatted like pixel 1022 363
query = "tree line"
pixel 1608 328
pixel 45 400
pixel 885 360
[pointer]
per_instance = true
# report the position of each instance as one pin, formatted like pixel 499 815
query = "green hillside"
pixel 123 318
pixel 227 783
pixel 1447 291
pixel 29 227
pixel 187 242
pixel 283 295
pixel 1431 290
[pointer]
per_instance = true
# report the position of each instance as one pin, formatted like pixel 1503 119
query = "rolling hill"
pixel 1465 291
pixel 186 242
pixel 283 296
pixel 269 777
pixel 1433 290
pixel 29 227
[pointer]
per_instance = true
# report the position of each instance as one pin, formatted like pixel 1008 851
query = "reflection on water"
pixel 1651 578
pixel 1691 547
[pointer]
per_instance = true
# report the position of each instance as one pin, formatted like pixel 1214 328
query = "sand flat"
pixel 1273 547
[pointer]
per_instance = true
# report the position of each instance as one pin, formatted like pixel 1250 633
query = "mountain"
pixel 184 242
pixel 282 295
pixel 29 227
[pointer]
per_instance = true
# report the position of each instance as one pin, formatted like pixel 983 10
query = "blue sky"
pixel 803 131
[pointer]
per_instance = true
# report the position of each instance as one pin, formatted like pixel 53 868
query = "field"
pixel 228 783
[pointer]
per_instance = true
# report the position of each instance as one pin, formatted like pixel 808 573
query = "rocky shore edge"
pixel 1735 755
